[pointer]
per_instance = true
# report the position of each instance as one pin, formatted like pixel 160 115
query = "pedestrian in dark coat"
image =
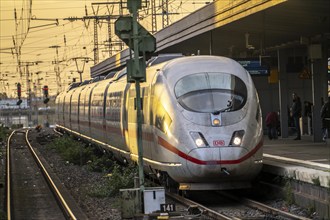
pixel 325 116
pixel 271 123
pixel 296 113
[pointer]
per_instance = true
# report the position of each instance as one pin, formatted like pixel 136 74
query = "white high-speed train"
pixel 202 123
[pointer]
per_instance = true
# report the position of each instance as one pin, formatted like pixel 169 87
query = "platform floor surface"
pixel 305 149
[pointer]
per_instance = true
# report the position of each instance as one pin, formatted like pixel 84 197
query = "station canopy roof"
pixel 248 25
pixel 241 27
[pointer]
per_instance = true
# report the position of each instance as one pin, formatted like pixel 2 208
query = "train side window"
pixel 113 106
pixel 162 118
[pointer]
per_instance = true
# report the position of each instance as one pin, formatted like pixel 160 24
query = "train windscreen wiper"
pixel 229 107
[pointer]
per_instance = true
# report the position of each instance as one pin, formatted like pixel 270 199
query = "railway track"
pixel 220 205
pixel 31 192
pixel 225 206
pixel 211 205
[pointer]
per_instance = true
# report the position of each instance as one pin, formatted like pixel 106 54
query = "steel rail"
pixel 57 132
pixel 58 195
pixel 205 211
pixel 260 206
pixel 8 182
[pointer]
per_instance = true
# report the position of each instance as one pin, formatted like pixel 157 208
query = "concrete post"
pixel 283 90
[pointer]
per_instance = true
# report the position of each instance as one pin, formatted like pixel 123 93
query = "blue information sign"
pixel 254 67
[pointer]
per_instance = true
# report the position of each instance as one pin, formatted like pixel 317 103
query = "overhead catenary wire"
pixel 78 39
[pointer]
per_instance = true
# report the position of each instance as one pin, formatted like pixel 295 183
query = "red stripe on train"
pixel 173 149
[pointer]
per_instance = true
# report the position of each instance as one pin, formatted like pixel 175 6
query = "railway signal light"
pixel 146 44
pixel 19 94
pixel 19 90
pixel 45 89
pixel 124 30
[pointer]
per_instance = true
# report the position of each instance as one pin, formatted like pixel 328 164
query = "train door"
pixel 78 111
pixel 131 135
pixel 65 114
pixel 124 114
pixel 60 114
pixel 70 112
pixel 82 113
pixel 84 125
pixel 105 106
pixel 147 130
pixel 89 110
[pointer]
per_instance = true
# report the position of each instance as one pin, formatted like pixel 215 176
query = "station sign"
pixel 255 67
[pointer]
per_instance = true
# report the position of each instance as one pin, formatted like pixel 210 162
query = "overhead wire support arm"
pixel 44 19
pixel 4 50
pixel 101 17
pixel 81 69
pixel 108 3
pixel 96 19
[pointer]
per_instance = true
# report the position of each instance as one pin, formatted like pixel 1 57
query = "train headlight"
pixel 236 139
pixel 216 122
pixel 198 139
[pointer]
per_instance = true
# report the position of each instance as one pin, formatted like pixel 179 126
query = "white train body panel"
pixel 195 109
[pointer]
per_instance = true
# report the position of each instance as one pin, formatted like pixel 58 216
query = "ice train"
pixel 201 121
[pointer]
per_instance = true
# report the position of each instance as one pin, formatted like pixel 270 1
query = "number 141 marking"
pixel 167 207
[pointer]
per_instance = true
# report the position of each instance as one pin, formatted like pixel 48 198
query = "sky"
pixel 52 49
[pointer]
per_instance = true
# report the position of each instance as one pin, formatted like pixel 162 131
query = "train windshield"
pixel 211 92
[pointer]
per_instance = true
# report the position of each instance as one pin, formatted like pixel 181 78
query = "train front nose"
pixel 218 163
pixel 204 162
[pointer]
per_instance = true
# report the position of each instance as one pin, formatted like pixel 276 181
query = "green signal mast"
pixel 138 39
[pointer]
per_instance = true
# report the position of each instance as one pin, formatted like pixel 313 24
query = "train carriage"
pixel 201 122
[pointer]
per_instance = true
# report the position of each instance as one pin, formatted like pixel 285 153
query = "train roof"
pixel 115 75
pixel 162 58
pixel 176 63
pixel 177 68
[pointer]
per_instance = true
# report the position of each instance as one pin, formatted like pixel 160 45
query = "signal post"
pixel 138 39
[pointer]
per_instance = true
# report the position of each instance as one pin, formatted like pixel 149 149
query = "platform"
pixel 305 165
pixel 302 160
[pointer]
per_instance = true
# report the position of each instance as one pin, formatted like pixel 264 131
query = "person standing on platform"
pixel 296 113
pixel 271 123
pixel 325 116
pixel 308 109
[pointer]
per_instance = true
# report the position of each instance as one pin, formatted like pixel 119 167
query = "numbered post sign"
pixel 167 207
